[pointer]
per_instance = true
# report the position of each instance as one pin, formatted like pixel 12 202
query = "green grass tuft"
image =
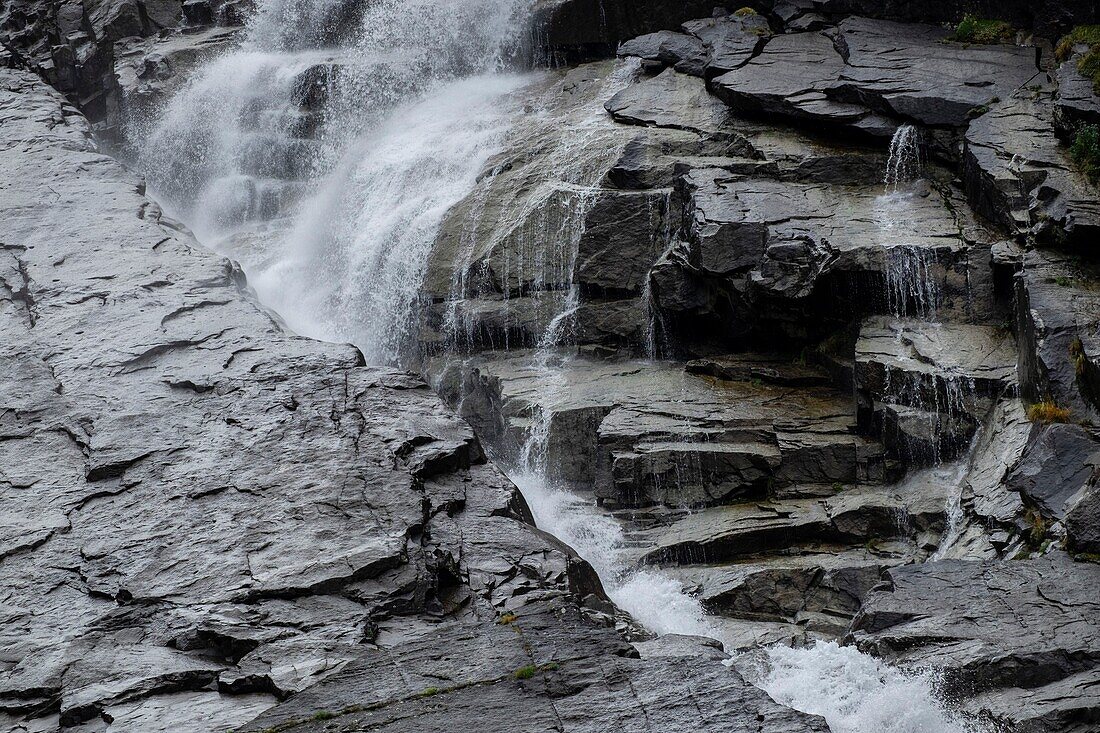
pixel 323 715
pixel 973 29
pixel 1089 63
pixel 742 12
pixel 525 673
pixel 430 691
pixel 1085 151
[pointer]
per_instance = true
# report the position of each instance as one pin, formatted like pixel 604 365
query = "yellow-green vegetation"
pixel 1087 557
pixel 429 691
pixel 525 673
pixel 508 618
pixel 1039 525
pixel 1047 412
pixel 742 12
pixel 1085 151
pixel 1077 355
pixel 323 715
pixel 973 29
pixel 550 667
pixel 1089 63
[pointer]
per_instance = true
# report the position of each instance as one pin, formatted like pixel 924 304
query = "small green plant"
pixel 742 12
pixel 1077 356
pixel 1039 525
pixel 1064 281
pixel 838 487
pixel 973 29
pixel 525 673
pixel 430 691
pixel 1047 412
pixel 323 715
pixel 550 667
pixel 1085 151
pixel 1087 557
pixel 508 618
pixel 1089 63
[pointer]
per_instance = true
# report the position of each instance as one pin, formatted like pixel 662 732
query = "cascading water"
pixel 324 152
pixel 305 152
pixel 906 160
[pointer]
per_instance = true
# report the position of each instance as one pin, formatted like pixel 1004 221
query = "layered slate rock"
pixel 806 255
pixel 580 27
pixel 535 673
pixel 1078 103
pixel 925 386
pixel 868 76
pixel 1023 634
pixel 205 514
pixel 1019 175
pixel 646 433
pixel 1058 325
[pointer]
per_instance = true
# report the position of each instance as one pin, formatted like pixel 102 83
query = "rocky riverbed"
pixel 706 330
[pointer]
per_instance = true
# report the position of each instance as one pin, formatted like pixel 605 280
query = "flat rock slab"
pixel 850 516
pixel 995 626
pixel 868 76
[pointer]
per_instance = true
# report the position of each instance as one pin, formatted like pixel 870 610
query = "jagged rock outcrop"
pixel 205 515
pixel 583 28
pixel 1021 636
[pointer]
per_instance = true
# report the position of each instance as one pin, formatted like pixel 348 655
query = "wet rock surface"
pixel 825 406
pixel 1021 634
pixel 205 515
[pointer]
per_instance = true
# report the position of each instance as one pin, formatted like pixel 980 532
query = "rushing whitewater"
pixel 323 152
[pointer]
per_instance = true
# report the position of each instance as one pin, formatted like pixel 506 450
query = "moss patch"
pixel 525 673
pixel 973 29
pixel 742 12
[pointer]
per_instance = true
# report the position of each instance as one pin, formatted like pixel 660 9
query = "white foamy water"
pixel 324 150
pixel 856 693
pixel 352 265
pixel 655 600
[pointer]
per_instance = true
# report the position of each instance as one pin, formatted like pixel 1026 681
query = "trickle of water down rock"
pixel 741 310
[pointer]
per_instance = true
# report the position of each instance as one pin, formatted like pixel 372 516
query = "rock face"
pixel 830 386
pixel 204 514
pixel 866 76
pixel 1018 632
pixel 581 28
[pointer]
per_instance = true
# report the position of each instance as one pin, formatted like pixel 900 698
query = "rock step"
pixel 648 433
pixel 923 387
pixel 732 533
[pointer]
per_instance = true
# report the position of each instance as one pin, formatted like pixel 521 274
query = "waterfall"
pixel 323 153
pixel 324 150
pixel 906 158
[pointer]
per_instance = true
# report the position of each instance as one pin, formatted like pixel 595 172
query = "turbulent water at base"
pixel 854 692
pixel 324 152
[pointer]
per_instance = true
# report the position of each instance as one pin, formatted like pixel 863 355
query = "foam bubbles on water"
pixel 855 692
